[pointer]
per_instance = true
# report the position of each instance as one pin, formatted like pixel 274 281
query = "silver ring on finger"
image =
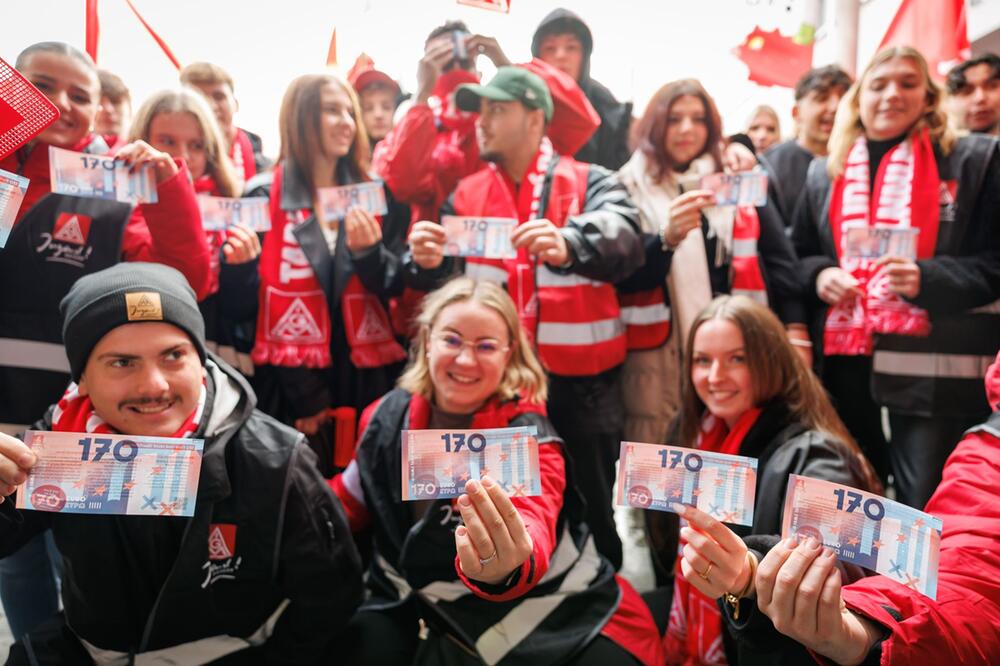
pixel 484 562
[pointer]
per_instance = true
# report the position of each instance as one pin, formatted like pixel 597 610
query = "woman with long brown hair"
pixel 897 235
pixel 694 250
pixel 323 337
pixel 747 392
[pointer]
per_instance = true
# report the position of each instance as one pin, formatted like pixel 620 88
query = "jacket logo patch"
pixel 143 306
pixel 72 228
pixel 296 323
pixel 221 541
pixel 67 242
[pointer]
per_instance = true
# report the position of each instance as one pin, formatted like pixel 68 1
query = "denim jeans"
pixel 29 584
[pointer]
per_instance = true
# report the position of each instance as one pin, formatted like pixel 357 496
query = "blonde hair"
pixel 299 125
pixel 187 100
pixel 523 376
pixel 847 124
pixel 777 373
pixel 767 111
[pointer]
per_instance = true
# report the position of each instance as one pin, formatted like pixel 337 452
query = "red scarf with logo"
pixel 241 153
pixel 293 321
pixel 75 413
pixel 694 634
pixel 906 194
pixel 521 270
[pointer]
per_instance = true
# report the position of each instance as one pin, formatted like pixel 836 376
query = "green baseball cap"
pixel 511 84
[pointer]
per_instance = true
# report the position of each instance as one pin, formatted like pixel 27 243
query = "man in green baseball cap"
pixel 511 84
pixel 576 236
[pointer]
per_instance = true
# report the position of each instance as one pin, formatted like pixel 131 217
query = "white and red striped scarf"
pixel 75 413
pixel 293 320
pixel 906 194
pixel 521 270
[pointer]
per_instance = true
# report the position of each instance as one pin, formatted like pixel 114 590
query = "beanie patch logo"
pixel 72 228
pixel 143 306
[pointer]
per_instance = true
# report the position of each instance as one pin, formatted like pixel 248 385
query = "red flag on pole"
pixel 163 45
pixel 936 27
pixel 773 59
pixel 331 53
pixel 93 29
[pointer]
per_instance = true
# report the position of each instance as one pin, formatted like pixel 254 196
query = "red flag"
pixel 163 45
pixel 93 29
pixel 362 64
pixel 773 59
pixel 493 5
pixel 936 27
pixel 331 53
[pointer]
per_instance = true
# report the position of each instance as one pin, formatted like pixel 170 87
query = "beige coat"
pixel 651 379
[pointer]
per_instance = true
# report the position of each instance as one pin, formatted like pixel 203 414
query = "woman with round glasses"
pixel 485 577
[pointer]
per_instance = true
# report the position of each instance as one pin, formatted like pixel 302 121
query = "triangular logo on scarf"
pixel 297 323
pixel 372 329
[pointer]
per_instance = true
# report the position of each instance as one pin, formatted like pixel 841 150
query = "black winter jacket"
pixel 135 584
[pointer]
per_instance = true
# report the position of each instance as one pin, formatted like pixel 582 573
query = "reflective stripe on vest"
pixel 921 364
pixel 488 272
pixel 494 644
pixel 586 333
pixel 989 308
pixel 201 651
pixel 748 280
pixel 15 353
pixel 646 318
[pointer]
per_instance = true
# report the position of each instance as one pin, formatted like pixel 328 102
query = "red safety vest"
pixel 574 321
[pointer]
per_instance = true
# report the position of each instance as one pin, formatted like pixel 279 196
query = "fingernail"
pixel 487 482
pixel 827 553
pixel 811 543
pixel 677 508
pixel 790 543
pixel 461 531
pixel 464 500
pixel 27 459
pixel 474 486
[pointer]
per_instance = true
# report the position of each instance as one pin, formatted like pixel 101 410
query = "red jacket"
pixel 168 232
pixel 631 626
pixel 963 625
pixel 422 165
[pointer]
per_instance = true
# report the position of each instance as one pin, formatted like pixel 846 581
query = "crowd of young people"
pixel 636 309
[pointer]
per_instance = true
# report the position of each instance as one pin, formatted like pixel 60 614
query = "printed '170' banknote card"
pixel 652 476
pixel 437 463
pixel 107 474
pixel 862 528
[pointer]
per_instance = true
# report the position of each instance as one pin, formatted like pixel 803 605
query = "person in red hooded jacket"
pixel 877 620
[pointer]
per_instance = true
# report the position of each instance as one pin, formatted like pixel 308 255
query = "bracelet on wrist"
pixel 800 343
pixel 734 599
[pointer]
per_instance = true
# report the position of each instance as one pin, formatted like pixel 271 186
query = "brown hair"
pixel 847 123
pixel 188 100
pixel 299 125
pixel 205 73
pixel 777 373
pixel 651 130
pixel 523 376
pixel 113 87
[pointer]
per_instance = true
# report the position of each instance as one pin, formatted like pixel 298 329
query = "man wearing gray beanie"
pixel 264 571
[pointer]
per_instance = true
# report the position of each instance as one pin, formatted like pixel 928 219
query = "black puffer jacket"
pixel 135 584
pixel 609 144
